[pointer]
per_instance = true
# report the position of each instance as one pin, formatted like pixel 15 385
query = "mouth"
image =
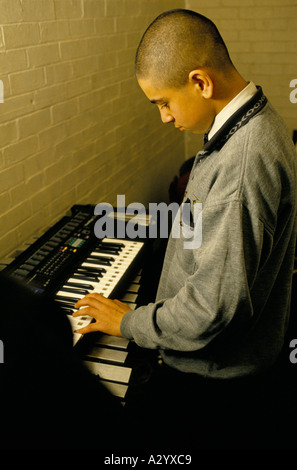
pixel 180 128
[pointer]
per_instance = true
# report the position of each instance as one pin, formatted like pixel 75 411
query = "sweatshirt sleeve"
pixel 204 289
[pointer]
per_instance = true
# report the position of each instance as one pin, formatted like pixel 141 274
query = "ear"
pixel 202 82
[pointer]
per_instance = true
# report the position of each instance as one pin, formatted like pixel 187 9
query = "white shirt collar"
pixel 243 96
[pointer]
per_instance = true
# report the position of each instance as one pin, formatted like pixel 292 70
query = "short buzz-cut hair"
pixel 177 42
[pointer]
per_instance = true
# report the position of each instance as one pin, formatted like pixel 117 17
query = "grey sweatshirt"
pixel 222 308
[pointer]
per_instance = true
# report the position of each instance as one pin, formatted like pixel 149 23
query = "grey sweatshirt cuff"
pixel 125 325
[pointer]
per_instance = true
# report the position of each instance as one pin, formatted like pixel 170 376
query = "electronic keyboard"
pixel 68 262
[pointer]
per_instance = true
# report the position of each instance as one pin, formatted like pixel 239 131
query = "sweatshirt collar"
pixel 239 100
pixel 237 120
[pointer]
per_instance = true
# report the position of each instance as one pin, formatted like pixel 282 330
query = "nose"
pixel 166 116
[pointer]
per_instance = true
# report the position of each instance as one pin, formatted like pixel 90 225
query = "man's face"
pixel 185 107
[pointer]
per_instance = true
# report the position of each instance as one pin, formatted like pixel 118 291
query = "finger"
pixel 121 305
pixel 90 311
pixel 98 301
pixel 87 329
pixel 89 299
pixel 81 311
pixel 104 300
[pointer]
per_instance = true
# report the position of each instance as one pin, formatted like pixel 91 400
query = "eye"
pixel 165 105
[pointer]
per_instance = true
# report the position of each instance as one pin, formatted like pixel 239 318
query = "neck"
pixel 227 88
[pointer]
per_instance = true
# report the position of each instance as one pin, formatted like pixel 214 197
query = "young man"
pixel 222 308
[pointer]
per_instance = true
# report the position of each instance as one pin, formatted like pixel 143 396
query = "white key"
pixel 109 280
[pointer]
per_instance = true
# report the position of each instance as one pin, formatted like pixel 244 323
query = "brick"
pixel 83 154
pixel 30 227
pixel 8 242
pixel 133 8
pixel 8 133
pixel 274 47
pixel 68 9
pixel 43 55
pixel 11 176
pixel 12 61
pixel 59 72
pixel 11 11
pixel 89 101
pixel 18 151
pixel 94 8
pixel 2 45
pixel 82 27
pixel 241 47
pixel 124 23
pixel 4 202
pixel 54 30
pixel 105 25
pixel 133 38
pixel 37 10
pixel 256 12
pixel 63 202
pixel 49 95
pixel 77 87
pixel 63 111
pixel 255 36
pixel 84 66
pixel 34 123
pixel 14 107
pixel 152 8
pixel 74 125
pixel 107 61
pixel 66 147
pixel 126 56
pixel 73 49
pixel 236 25
pixel 41 199
pixel 29 187
pixel 28 80
pixel 106 44
pixel 21 35
pixel 38 162
pixel 234 3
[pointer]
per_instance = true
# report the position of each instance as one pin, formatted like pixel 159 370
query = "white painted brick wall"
pixel 74 125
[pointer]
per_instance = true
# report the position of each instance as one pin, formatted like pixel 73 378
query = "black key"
pixel 74 290
pixel 90 269
pixel 42 253
pixel 56 239
pixel 21 272
pixel 47 247
pixel 110 251
pixel 67 299
pixel 98 260
pixel 86 277
pixel 66 305
pixel 114 244
pixel 38 257
pixel 27 267
pixel 69 311
pixel 32 262
pixel 79 285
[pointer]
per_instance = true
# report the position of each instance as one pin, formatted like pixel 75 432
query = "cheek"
pixel 202 119
pixel 186 114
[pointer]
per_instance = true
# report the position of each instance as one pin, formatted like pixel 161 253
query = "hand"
pixel 107 313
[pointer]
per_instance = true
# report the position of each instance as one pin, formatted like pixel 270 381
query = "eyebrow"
pixel 159 100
